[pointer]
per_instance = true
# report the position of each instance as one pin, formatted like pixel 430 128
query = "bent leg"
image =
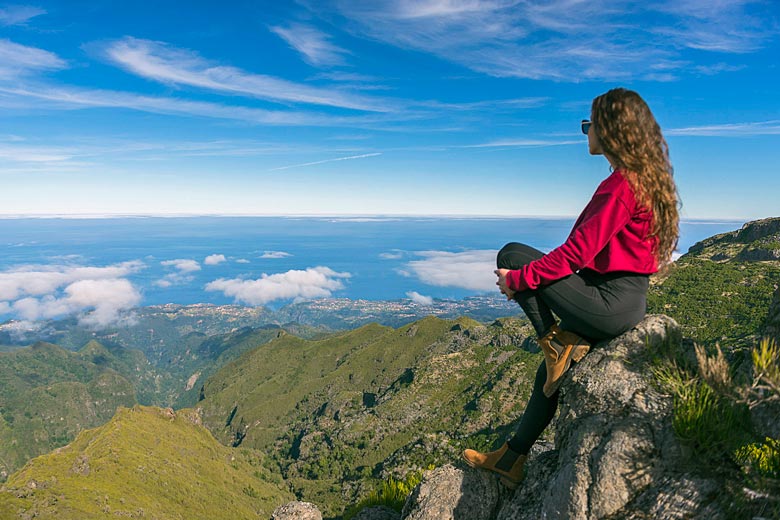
pixel 515 256
pixel 594 306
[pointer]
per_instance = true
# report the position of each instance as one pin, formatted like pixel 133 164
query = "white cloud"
pixel 35 154
pixel 107 298
pixel 419 298
pixel 242 261
pixel 18 14
pixel 167 64
pixel 275 254
pixel 587 38
pixel 70 97
pixel 214 259
pixel 523 143
pixel 351 157
pixel 23 281
pixel 313 44
pixel 468 269
pixel 17 60
pixel 99 296
pixel 316 282
pixel 729 129
pixel 184 265
pixel 392 255
pixel 5 308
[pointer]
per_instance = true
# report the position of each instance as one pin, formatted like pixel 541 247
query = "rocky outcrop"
pixel 758 229
pixel 297 511
pixel 615 453
pixel 449 493
pixel 756 241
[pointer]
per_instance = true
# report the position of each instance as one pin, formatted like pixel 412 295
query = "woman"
pixel 596 282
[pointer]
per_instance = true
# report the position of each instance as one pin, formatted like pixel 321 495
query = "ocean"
pixel 266 260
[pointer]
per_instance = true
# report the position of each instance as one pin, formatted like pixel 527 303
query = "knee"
pixel 514 255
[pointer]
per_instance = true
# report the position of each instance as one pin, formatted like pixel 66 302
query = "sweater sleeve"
pixel 605 215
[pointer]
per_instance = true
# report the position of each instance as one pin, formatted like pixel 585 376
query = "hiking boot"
pixel 560 348
pixel 507 463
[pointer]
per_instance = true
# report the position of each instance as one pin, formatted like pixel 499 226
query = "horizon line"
pixel 107 216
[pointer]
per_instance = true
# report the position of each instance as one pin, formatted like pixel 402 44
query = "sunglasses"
pixel 585 126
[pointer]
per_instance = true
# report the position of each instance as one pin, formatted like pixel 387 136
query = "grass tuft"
pixel 391 493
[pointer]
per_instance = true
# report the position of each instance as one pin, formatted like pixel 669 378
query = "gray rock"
pixel 297 511
pixel 758 229
pixel 615 453
pixel 449 493
pixel 377 513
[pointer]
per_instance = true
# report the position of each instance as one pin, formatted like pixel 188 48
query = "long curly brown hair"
pixel 630 135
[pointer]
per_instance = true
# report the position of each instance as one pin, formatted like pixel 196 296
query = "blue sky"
pixel 355 107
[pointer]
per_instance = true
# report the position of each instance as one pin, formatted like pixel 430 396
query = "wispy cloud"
pixel 173 66
pixel 314 282
pixel 78 150
pixel 395 254
pixel 36 154
pixel 523 143
pixel 314 45
pixel 20 60
pixel 73 97
pixel 468 269
pixel 184 268
pixel 724 26
pixel 275 254
pixel 18 14
pixel 326 161
pixel 586 38
pixel 729 129
pixel 491 104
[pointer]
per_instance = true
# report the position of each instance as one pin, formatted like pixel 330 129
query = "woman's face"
pixel 594 146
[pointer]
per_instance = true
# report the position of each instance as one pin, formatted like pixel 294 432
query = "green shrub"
pixel 391 493
pixel 760 459
pixel 710 424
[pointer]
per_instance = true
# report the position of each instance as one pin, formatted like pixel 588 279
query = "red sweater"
pixel 610 235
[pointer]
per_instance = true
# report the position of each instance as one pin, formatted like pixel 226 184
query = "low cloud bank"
pixel 314 282
pixel 99 296
pixel 419 298
pixel 471 270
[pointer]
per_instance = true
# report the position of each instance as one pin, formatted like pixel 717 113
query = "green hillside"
pixel 145 463
pixel 721 290
pixel 337 413
pixel 48 395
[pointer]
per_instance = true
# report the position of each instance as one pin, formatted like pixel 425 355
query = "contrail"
pixel 325 161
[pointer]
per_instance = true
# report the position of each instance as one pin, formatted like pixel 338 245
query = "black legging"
pixel 595 306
